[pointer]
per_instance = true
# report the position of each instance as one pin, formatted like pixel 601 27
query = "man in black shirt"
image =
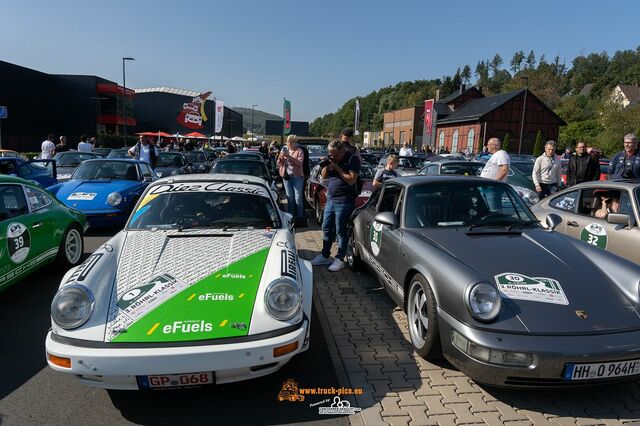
pixel 62 146
pixel 341 169
pixel 582 167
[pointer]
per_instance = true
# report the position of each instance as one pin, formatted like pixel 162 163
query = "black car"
pixel 171 164
pixel 198 161
pixel 244 166
pixel 118 153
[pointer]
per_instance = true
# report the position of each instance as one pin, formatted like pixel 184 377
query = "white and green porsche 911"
pixel 204 285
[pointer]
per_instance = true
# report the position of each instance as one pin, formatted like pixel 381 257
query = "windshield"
pixel 206 209
pixel 409 162
pixel 466 169
pixel 170 159
pixel 106 170
pixel 524 168
pixel 317 150
pixel 72 159
pixel 195 156
pixel 238 167
pixel 118 153
pixel 465 204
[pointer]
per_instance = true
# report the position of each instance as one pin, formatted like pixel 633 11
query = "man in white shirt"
pixel 497 167
pixel 406 150
pixel 84 146
pixel 48 148
pixel 142 151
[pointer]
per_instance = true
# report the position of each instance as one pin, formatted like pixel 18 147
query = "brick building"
pixel 404 125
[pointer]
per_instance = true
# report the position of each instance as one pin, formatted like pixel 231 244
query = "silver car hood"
pixel 497 256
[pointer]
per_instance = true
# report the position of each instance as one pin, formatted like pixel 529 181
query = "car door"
pixel 565 205
pixel 16 234
pixel 385 241
pixel 43 222
pixel 623 240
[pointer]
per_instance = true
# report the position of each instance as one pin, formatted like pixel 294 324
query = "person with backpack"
pixel 341 170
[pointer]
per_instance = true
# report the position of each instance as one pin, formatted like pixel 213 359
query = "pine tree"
pixel 537 148
pixel 505 142
pixel 466 73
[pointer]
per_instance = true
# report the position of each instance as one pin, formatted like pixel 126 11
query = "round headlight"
pixel 114 199
pixel 282 299
pixel 531 197
pixel 72 306
pixel 484 302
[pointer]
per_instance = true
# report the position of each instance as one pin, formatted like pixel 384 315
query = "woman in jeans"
pixel 290 163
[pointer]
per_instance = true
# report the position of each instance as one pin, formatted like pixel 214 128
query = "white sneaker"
pixel 337 265
pixel 320 260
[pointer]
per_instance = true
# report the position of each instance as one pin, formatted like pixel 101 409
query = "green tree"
pixel 539 145
pixel 505 142
pixel 531 60
pixel 516 61
pixel 496 63
pixel 466 74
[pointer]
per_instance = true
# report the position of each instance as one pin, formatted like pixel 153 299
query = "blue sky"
pixel 318 54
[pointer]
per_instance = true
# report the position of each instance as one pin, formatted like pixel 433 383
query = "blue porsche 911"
pixel 105 190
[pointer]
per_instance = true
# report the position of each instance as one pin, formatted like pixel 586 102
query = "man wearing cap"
pixel 626 163
pixel 345 138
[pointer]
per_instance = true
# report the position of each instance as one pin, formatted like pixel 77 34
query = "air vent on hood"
pixel 199 235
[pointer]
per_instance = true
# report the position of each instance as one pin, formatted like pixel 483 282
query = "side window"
pixel 432 170
pixel 24 171
pixel 566 202
pixel 7 166
pixel 591 200
pixel 37 199
pixel 625 204
pixel 389 199
pixel 373 199
pixel 146 171
pixel 12 201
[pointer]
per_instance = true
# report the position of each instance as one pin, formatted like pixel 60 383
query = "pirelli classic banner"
pixel 193 115
pixel 219 115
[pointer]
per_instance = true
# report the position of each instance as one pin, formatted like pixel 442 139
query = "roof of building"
pixel 170 90
pixel 630 91
pixel 586 90
pixel 455 95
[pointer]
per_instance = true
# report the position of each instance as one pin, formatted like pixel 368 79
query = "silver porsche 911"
pixel 505 300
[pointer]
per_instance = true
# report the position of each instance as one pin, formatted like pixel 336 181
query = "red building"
pixel 467 118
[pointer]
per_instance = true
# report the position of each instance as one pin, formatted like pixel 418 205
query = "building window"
pixel 454 144
pixel 441 138
pixel 402 137
pixel 470 139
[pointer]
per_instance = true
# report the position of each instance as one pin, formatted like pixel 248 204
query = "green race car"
pixel 35 229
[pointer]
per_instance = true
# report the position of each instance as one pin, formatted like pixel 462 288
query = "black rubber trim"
pixel 145 345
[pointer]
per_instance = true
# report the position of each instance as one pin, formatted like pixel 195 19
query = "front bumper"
pixel 117 368
pixel 551 354
pixel 106 218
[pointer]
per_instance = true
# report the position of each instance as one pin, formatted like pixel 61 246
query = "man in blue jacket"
pixel 626 163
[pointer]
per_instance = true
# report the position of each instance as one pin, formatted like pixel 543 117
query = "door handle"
pixel 573 223
pixel 37 225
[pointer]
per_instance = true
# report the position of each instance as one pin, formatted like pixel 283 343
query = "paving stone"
pixel 382 389
pixel 490 417
pixel 449 395
pixel 369 358
pixel 360 380
pixel 477 402
pixel 390 407
pixel 389 365
pixel 465 385
pixel 463 415
pixel 374 372
pixel 518 423
pixel 437 378
pixel 444 419
pixel 422 388
pixel 372 416
pixel 408 397
pixel 507 413
pixel 419 416
pixel 535 416
pixel 434 405
pixel 352 365
pixel 397 420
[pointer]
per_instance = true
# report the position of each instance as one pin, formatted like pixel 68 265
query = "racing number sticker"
pixel 18 242
pixel 375 237
pixel 594 234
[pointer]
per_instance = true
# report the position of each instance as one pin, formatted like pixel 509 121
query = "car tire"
pixel 71 247
pixel 353 259
pixel 422 319
pixel 319 213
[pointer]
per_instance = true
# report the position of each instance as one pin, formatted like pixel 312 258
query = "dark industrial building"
pixel 275 127
pixel 73 105
pixel 156 109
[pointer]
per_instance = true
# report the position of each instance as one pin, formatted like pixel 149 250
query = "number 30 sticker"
pixel 594 234
pixel 18 242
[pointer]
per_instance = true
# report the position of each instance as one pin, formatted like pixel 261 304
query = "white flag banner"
pixel 219 115
pixel 357 119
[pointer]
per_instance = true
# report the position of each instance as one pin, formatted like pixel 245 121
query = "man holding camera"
pixel 626 164
pixel 341 169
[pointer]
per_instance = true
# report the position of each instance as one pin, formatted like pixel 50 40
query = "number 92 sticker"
pixel 18 242
pixel 594 234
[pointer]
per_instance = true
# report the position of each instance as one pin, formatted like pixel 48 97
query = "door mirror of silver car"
pixel 387 218
pixel 618 219
pixel 553 220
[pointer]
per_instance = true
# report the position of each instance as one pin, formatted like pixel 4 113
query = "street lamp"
pixel 99 100
pixel 524 111
pixel 124 90
pixel 253 110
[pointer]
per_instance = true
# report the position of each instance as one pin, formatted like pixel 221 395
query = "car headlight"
pixel 531 197
pixel 114 199
pixel 282 299
pixel 72 306
pixel 484 302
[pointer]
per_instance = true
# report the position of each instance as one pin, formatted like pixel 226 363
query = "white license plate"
pixel 602 370
pixel 176 380
pixel 82 196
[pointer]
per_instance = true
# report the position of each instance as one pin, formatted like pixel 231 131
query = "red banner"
pixel 192 115
pixel 428 117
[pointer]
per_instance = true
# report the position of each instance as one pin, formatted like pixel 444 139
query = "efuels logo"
pixel 216 297
pixel 187 327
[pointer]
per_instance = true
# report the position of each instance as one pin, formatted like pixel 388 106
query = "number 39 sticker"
pixel 594 234
pixel 18 242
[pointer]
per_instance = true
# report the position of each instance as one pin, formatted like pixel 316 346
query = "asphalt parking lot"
pixel 32 393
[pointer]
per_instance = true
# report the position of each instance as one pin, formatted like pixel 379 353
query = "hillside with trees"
pixel 580 93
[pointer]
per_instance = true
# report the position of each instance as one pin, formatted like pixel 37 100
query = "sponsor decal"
pixel 234 276
pixel 339 406
pixel 11 272
pixel 18 242
pixel 83 270
pixel 535 289
pixel 375 237
pixel 86 196
pixel 187 326
pixel 239 325
pixel 594 234
pixel 216 297
pixel 285 244
pixel 238 188
pixel 288 265
pixel 291 392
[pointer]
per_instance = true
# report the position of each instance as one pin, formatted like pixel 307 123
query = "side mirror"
pixel 619 219
pixel 148 179
pixel 387 218
pixel 553 220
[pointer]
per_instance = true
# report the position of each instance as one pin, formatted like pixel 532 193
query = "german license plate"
pixel 601 370
pixel 175 380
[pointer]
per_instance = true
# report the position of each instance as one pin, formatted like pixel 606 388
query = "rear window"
pixel 252 168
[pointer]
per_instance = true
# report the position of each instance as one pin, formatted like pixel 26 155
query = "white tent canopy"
pixel 238 139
